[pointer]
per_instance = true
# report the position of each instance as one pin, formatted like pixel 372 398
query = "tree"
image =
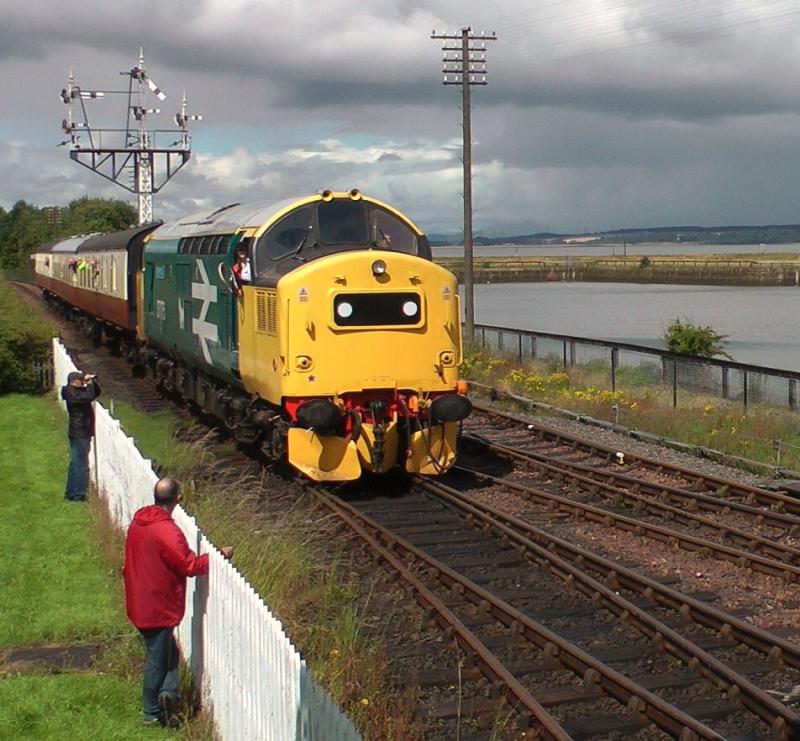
pixel 25 227
pixel 91 215
pixel 686 337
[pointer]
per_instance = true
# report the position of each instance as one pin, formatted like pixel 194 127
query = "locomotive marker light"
pixel 378 268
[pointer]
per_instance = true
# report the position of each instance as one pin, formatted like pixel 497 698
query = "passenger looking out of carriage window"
pixel 242 272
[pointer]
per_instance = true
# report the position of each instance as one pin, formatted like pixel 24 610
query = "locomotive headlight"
pixel 378 268
pixel 410 308
pixel 344 309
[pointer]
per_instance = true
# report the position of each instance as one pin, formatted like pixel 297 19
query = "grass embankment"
pixel 640 402
pixel 294 561
pixel 24 338
pixel 57 589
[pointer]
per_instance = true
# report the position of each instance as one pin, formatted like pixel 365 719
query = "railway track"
pixel 601 649
pixel 557 445
pixel 554 639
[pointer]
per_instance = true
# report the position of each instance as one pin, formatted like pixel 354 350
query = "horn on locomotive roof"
pixel 355 194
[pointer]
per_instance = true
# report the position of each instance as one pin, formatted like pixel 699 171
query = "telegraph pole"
pixel 465 65
pixel 135 158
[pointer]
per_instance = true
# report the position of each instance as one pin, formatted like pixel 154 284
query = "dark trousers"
pixel 78 474
pixel 160 668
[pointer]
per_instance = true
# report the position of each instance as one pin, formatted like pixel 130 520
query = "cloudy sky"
pixel 598 114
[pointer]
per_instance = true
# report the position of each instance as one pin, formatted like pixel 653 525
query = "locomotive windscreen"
pixel 377 309
pixel 343 222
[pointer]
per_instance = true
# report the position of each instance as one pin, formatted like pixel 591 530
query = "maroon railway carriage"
pixel 97 276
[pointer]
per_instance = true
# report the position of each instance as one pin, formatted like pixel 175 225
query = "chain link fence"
pixel 623 365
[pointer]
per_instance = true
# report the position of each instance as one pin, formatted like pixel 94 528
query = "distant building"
pixel 52 215
pixel 579 240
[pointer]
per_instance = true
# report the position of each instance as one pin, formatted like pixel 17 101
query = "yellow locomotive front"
pixel 352 331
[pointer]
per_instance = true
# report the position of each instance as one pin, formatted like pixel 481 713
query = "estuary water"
pixel 762 323
pixel 598 250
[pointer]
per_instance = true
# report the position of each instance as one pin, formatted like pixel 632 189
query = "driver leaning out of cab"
pixel 242 272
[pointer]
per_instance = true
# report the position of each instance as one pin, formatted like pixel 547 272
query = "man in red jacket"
pixel 157 562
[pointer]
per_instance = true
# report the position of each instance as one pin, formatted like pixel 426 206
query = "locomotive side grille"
pixel 267 312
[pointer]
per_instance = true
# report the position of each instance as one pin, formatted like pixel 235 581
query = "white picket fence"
pixel 254 683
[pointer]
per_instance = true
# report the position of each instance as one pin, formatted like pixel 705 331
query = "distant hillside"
pixel 770 234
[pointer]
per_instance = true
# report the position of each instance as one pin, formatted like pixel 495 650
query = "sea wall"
pixel 748 271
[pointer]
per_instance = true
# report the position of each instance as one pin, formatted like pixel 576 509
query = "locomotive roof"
pixel 236 216
pixel 225 220
pixel 114 240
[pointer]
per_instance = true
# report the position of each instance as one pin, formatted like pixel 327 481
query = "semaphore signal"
pixel 133 157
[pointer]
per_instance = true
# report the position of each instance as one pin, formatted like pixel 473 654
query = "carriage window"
pixel 343 222
pixel 285 237
pixel 389 233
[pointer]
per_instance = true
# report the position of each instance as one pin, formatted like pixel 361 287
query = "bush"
pixel 24 339
pixel 685 337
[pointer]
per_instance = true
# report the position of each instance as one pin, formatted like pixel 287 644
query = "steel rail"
pixel 781 504
pixel 544 547
pixel 495 671
pixel 787 572
pixel 592 670
pixel 692 500
pixel 773 550
pixel 621 576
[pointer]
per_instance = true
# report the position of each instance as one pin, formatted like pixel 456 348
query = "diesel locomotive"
pixel 339 355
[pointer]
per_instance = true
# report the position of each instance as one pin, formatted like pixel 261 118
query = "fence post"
pixel 483 338
pixel 744 388
pixel 565 354
pixel 675 383
pixel 533 347
pixel 725 384
pixel 519 351
pixel 792 394
pixel 499 341
pixel 614 362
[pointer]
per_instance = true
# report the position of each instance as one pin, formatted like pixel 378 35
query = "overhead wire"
pixel 664 18
pixel 675 37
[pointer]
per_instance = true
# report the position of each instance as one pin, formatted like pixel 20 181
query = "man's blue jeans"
pixel 78 474
pixel 160 668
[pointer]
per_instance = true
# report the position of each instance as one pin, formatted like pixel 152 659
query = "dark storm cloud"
pixel 597 113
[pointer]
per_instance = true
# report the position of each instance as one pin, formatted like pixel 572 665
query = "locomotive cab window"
pixel 288 236
pixel 389 233
pixel 343 222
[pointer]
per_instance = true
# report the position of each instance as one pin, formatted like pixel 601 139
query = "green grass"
pixel 642 402
pixel 55 585
pixel 79 706
pixel 155 437
pixel 60 575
